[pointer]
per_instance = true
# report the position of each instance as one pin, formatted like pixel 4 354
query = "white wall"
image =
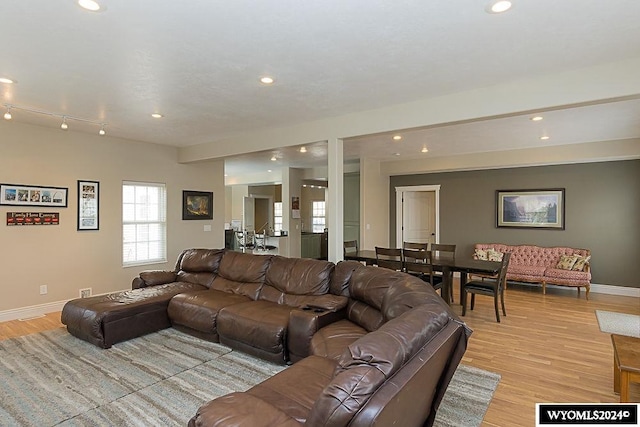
pixel 66 259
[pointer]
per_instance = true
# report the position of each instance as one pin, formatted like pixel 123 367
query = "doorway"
pixel 417 214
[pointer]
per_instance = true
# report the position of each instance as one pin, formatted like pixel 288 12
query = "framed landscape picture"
pixel 32 195
pixel 197 204
pixel 530 208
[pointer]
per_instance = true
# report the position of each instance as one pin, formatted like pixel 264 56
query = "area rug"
pixel 619 323
pixel 54 379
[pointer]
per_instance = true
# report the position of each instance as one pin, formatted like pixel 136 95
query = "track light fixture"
pixel 65 118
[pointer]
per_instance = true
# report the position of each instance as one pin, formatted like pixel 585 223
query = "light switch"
pixel 207 228
pixel 368 226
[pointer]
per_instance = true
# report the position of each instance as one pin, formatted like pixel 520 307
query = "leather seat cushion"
pixel 331 340
pixel 259 324
pixel 294 390
pixel 199 309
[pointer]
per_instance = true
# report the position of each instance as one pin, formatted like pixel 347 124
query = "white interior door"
pixel 417 214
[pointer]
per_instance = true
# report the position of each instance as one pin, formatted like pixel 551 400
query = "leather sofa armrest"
pixel 153 278
pixel 304 323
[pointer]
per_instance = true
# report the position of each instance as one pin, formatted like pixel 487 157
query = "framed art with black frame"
pixel 32 195
pixel 197 205
pixel 88 205
pixel 530 208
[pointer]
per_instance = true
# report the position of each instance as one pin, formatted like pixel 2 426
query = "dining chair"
pixel 436 249
pixel 418 263
pixel 245 240
pixel 492 287
pixel 350 246
pixel 390 258
pixel 412 245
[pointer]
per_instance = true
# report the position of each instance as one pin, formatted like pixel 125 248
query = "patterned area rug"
pixel 619 323
pixel 54 379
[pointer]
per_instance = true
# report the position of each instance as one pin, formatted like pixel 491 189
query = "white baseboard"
pixel 37 310
pixel 31 311
pixel 615 290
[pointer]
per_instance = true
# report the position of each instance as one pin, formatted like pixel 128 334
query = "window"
pixel 277 216
pixel 317 220
pixel 144 224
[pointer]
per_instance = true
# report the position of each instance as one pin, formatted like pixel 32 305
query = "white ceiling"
pixel 199 62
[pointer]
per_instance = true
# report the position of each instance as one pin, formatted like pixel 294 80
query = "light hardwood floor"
pixel 548 349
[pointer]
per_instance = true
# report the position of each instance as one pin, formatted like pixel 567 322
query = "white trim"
pixel 31 311
pixel 37 310
pixel 399 196
pixel 615 290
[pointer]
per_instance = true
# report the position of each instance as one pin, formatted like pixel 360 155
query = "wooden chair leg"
pixel 463 301
pixel 473 300
pixel 495 305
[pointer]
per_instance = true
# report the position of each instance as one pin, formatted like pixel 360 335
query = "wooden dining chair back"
pixel 350 246
pixel 390 258
pixel 418 246
pixel 492 287
pixel 440 247
pixel 418 263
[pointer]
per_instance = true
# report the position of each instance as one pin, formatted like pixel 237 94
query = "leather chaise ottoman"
pixel 104 320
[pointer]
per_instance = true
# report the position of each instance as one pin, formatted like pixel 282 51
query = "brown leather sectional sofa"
pixel 369 346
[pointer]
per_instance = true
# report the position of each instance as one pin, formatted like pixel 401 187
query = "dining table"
pixel 447 263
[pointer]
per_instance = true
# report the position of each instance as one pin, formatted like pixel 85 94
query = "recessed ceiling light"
pixel 269 170
pixel 274 158
pixel 396 154
pixel 90 5
pixel 544 138
pixel 424 150
pixel 226 175
pixel 536 118
pixel 157 115
pixel 397 137
pixel 498 6
pixel 266 80
pixel 6 80
pixel 303 150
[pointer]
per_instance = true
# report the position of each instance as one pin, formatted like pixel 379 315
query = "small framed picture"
pixel 197 205
pixel 88 205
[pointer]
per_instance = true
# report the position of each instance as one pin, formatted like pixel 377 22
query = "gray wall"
pixel 602 207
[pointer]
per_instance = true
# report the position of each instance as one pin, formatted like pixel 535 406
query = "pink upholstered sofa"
pixel 535 264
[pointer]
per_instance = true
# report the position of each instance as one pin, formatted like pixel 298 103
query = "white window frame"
pixel 277 216
pixel 146 215
pixel 318 216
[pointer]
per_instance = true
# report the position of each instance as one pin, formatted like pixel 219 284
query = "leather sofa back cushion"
pixel 368 288
pixel 367 363
pixel 246 268
pixel 342 275
pixel 201 260
pixel 296 276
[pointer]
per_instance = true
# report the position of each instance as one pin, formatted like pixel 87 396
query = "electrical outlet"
pixel 85 293
pixel 43 289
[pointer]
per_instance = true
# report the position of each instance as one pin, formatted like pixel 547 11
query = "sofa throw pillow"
pixel 581 262
pixel 493 255
pixel 567 262
pixel 480 254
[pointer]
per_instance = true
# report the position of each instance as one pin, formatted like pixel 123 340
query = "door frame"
pixel 399 218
